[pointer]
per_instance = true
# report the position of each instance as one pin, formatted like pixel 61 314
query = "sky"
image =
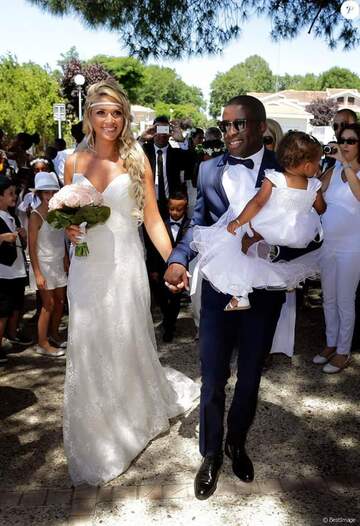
pixel 31 34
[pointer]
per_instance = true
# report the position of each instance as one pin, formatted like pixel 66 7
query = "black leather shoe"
pixel 207 476
pixel 241 463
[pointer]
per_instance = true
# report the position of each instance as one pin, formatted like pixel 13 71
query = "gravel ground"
pixel 307 425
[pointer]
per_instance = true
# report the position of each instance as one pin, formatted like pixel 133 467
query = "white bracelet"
pixel 347 165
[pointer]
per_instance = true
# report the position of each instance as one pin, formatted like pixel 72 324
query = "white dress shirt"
pixel 59 162
pixel 175 227
pixel 164 154
pixel 239 182
pixel 17 269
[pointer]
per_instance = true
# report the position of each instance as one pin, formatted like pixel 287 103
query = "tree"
pixel 27 95
pixel 182 112
pixel 162 84
pixel 339 78
pixel 177 28
pixel 253 74
pixel 128 71
pixel 65 58
pixel 92 73
pixel 323 110
pixel 298 82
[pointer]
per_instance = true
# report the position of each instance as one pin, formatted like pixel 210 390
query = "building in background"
pixel 288 108
pixel 142 117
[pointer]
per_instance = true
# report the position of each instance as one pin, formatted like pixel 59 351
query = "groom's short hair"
pixel 255 105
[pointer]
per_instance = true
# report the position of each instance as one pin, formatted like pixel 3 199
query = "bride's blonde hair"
pixel 129 149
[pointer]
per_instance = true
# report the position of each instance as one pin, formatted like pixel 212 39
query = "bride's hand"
pixel 73 233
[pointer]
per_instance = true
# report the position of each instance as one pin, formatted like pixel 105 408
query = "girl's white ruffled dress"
pixel 287 219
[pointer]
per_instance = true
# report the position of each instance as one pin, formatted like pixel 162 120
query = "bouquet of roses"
pixel 77 205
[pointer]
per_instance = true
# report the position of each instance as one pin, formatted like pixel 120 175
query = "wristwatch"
pixel 347 165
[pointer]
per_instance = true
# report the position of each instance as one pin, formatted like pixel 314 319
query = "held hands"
pixel 247 241
pixel 233 226
pixel 176 278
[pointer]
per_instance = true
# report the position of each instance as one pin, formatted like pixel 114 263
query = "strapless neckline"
pixel 106 188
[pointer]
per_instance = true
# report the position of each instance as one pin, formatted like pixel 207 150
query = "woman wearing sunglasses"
pixel 272 135
pixel 340 262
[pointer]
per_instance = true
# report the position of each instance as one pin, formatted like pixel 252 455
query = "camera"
pixel 163 129
pixel 329 150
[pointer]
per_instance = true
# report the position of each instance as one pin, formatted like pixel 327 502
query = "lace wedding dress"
pixel 117 395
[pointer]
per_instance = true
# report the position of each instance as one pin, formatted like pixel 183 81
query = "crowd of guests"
pixel 27 183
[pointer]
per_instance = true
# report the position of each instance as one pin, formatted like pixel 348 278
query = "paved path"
pixel 304 443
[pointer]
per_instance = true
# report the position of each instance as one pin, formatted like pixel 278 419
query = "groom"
pixel 251 332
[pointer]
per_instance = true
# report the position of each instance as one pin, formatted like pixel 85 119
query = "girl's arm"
pixel 253 207
pixel 152 220
pixel 319 203
pixel 34 226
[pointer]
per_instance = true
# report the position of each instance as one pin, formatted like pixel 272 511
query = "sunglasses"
pixel 239 125
pixel 350 142
pixel 337 126
pixel 267 139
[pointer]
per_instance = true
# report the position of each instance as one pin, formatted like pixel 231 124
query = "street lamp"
pixel 79 81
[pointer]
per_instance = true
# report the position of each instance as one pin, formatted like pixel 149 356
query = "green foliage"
pixel 175 28
pixel 339 78
pixel 298 82
pixel 254 74
pixel 27 95
pixel 182 111
pixel 162 84
pixel 128 71
pixel 92 215
pixel 67 56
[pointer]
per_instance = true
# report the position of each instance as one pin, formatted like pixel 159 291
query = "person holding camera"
pixel 342 118
pixel 170 166
pixel 340 260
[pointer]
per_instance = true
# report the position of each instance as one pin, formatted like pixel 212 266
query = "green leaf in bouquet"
pixel 93 215
pixel 59 219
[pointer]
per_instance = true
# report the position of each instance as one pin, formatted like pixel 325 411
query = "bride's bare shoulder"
pixel 76 163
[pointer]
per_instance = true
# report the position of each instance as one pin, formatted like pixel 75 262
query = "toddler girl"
pixel 49 264
pixel 284 212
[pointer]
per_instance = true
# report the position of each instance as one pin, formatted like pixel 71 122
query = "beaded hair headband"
pixel 105 104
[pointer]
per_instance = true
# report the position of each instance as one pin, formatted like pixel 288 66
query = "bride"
pixel 117 395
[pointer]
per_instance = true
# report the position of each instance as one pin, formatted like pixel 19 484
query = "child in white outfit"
pixel 49 264
pixel 284 212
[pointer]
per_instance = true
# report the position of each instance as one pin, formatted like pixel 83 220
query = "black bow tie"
pixel 248 163
pixel 177 223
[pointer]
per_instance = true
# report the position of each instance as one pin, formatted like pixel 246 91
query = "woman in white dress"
pixel 340 253
pixel 117 395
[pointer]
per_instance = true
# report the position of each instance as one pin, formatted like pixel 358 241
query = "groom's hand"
pixel 247 241
pixel 176 278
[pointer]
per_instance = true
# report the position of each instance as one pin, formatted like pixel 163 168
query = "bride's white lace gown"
pixel 117 395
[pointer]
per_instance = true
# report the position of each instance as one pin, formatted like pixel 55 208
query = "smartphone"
pixel 163 129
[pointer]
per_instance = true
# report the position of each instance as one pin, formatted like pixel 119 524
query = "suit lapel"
pixel 218 179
